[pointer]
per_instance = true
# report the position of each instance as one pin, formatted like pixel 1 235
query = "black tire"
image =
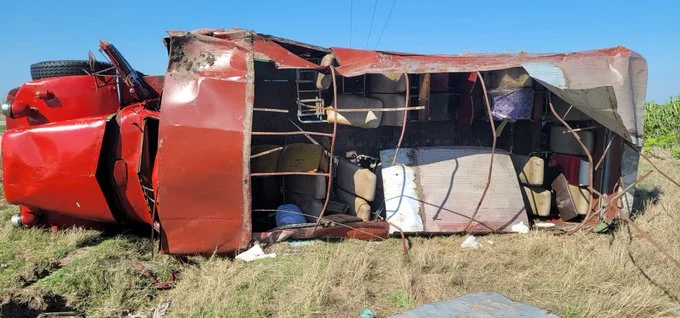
pixel 67 68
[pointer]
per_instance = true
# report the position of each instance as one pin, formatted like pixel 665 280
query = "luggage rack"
pixel 310 103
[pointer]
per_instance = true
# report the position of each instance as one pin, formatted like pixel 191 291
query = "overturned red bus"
pixel 245 129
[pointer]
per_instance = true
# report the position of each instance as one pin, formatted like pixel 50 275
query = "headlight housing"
pixel 6 108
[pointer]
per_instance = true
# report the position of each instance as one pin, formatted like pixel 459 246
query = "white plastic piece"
pixel 401 196
pixel 544 225
pixel 253 254
pixel 520 228
pixel 470 242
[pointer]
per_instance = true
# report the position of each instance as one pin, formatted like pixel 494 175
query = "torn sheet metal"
pixel 578 77
pixel 608 84
pixel 443 186
pixel 129 151
pixel 266 50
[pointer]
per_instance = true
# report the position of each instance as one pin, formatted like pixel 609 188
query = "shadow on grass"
pixel 19 305
pixel 644 197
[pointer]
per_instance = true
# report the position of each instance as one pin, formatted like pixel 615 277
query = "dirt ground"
pixel 617 274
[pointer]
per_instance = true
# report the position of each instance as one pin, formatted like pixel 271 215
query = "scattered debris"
pixel 161 309
pixel 253 254
pixel 301 243
pixel 152 277
pixel 470 241
pixel 520 228
pixel 367 313
pixel 543 225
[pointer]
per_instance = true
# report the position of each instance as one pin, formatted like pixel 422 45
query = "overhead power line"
pixel 375 5
pixel 385 25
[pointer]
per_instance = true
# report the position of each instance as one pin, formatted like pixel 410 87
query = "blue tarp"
pixel 477 305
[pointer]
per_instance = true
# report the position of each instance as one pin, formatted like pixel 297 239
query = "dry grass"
pixel 584 275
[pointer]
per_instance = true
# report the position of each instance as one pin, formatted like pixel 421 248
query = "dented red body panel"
pixel 130 169
pixel 53 168
pixel 204 136
pixel 57 99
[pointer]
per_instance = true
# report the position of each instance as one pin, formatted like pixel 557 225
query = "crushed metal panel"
pixel 618 67
pixel 612 85
pixel 354 62
pixel 295 45
pixel 447 184
pixel 53 168
pixel 597 103
pixel 266 50
pixel 129 153
pixel 204 144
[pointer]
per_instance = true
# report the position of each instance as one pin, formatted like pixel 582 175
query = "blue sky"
pixel 44 30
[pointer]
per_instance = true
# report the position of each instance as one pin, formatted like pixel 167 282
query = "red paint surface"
pixel 52 168
pixel 201 178
pixel 270 50
pixel 129 151
pixel 570 166
pixel 355 62
pixel 70 97
pixel 203 183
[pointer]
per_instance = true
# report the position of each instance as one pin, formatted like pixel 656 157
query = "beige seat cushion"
pixel 324 81
pixel 389 83
pixel 356 180
pixel 581 197
pixel 395 118
pixel 357 206
pixel 367 119
pixel 302 158
pixel 530 170
pixel 511 78
pixel 538 200
pixel 264 163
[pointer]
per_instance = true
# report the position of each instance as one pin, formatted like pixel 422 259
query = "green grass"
pixel 574 276
pixel 662 126
pixel 582 275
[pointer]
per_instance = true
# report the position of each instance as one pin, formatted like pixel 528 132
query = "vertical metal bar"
pixel 493 150
pixel 424 97
pixel 606 150
pixel 590 167
pixel 403 121
pixel 332 150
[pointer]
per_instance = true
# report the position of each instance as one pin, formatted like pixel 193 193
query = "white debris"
pixel 520 228
pixel 543 225
pixel 161 309
pixel 470 242
pixel 253 254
